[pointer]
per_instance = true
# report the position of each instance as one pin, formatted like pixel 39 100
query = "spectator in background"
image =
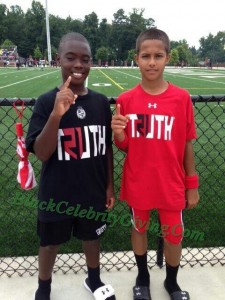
pixel 18 63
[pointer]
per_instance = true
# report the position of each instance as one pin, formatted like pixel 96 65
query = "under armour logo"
pixel 152 105
pixel 137 293
pixel 106 290
pixel 184 297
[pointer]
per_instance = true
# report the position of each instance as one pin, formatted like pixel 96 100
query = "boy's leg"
pixel 92 253
pixel 51 234
pixel 140 221
pixel 139 245
pixel 89 231
pixel 172 231
pixel 172 256
pixel 139 241
pixel 47 256
pixel 172 253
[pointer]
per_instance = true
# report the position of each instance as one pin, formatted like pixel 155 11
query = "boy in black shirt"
pixel 70 132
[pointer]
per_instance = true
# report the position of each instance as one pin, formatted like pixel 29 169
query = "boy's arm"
pixel 110 201
pixel 121 141
pixel 191 177
pixel 46 142
pixel 119 123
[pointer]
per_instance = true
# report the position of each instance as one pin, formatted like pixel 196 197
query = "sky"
pixel 180 19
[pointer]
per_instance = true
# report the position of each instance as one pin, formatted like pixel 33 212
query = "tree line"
pixel 109 41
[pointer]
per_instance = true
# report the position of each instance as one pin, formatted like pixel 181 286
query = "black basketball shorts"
pixel 86 228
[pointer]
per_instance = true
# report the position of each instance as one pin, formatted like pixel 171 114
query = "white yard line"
pixel 126 74
pixel 177 75
pixel 18 82
pixel 195 78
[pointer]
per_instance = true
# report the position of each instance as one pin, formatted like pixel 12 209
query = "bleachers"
pixel 8 54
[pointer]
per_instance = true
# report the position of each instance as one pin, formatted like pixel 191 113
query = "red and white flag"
pixel 25 175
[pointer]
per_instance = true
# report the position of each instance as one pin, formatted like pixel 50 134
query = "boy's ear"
pixel 136 59
pixel 168 58
pixel 57 57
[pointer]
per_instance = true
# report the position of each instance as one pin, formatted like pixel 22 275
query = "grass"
pixel 31 82
pixel 18 223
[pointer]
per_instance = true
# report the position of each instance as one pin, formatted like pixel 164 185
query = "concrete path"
pixel 203 283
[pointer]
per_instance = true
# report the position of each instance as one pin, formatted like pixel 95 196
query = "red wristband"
pixel 191 182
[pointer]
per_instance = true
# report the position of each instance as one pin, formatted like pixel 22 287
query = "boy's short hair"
pixel 153 34
pixel 72 36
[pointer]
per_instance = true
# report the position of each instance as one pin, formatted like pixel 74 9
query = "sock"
pixel 44 289
pixel 94 278
pixel 143 278
pixel 171 279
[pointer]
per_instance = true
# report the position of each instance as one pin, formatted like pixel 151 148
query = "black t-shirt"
pixel 76 173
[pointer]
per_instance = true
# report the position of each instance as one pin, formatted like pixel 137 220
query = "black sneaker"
pixel 42 295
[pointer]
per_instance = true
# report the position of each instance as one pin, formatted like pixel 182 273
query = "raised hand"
pixel 64 98
pixel 119 122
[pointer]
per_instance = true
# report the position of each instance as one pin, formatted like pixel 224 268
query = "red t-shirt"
pixel 156 135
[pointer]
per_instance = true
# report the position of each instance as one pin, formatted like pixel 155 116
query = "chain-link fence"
pixel 204 238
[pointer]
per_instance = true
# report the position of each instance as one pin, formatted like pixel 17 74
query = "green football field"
pixel 31 82
pixel 18 222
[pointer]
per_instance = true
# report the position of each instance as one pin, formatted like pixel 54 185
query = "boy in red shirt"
pixel 154 125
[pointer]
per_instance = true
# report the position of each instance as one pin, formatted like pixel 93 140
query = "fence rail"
pixel 112 100
pixel 204 241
